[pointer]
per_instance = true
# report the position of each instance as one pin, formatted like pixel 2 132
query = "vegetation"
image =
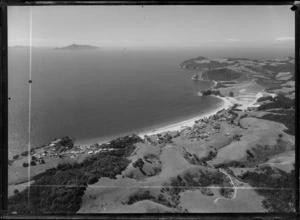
pixel 269 83
pixel 211 92
pixel 139 197
pixel 222 74
pixel 266 98
pixel 288 119
pixel 60 189
pixel 139 164
pixel 280 102
pixel 284 67
pixel 24 154
pixel 16 157
pixel 190 180
pixel 258 155
pixel 25 164
pixel 220 85
pixel 226 192
pixel 279 188
pixel 145 195
pixel 192 64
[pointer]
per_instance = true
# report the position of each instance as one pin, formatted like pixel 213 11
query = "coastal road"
pixel 234 187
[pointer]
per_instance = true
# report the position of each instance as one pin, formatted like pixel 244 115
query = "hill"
pixel 77 47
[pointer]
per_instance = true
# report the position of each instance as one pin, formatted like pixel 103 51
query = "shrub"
pixel 93 180
pixel 24 154
pixel 279 193
pixel 25 164
pixel 60 189
pixel 139 197
pixel 211 92
pixel 249 153
pixel 280 102
pixel 222 74
pixel 261 99
pixel 16 157
pixel 288 119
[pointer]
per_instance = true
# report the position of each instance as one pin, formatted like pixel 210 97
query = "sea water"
pixel 93 96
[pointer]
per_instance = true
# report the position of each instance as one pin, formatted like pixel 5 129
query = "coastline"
pixel 178 126
pixel 187 123
pixel 190 122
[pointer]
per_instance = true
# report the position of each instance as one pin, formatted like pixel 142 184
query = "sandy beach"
pixel 190 122
pixel 187 123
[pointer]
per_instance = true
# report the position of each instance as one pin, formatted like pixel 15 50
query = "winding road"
pixel 234 187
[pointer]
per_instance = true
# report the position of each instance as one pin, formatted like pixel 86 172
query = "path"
pixel 234 187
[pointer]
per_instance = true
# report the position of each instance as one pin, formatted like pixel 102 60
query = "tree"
pixel 25 164
pixel 32 163
pixel 16 157
pixel 24 154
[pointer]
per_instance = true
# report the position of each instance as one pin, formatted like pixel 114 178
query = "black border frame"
pixel 4 109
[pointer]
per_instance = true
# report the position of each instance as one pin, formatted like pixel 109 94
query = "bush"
pixel 16 157
pixel 24 154
pixel 279 193
pixel 32 163
pixel 93 180
pixel 211 92
pixel 25 164
pixel 261 99
pixel 280 102
pixel 139 197
pixel 222 74
pixel 288 119
pixel 60 189
pixel 139 164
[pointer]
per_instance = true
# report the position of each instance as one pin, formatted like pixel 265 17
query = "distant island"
pixel 77 47
pixel 19 46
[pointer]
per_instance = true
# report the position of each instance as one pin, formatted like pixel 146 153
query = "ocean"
pixel 94 96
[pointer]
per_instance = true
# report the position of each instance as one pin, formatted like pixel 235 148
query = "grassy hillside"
pixel 60 189
pixel 222 74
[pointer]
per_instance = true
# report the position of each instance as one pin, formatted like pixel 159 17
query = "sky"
pixel 151 26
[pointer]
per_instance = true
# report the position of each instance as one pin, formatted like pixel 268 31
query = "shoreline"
pixel 190 122
pixel 178 125
pixel 187 123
